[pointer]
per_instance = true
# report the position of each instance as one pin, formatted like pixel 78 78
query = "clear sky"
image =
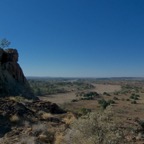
pixel 76 38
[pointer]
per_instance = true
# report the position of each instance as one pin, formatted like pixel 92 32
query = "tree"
pixel 4 43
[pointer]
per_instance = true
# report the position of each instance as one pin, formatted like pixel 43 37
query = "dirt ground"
pixel 100 88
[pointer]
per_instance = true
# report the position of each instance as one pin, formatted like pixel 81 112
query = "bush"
pixel 74 100
pixel 87 98
pixel 97 128
pixel 140 122
pixel 107 94
pixel 84 111
pixel 4 43
pixel 87 95
pixel 134 102
pixel 103 103
pixel 134 97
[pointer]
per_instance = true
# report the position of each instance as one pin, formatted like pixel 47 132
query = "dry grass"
pixel 59 98
pixel 96 128
pixel 27 140
pixel 14 118
pixel 19 99
pixel 69 118
pixel 46 115
pixel 59 137
pixel 100 88
pixel 39 127
pixel 43 138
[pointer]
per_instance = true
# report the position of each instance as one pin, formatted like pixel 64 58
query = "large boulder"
pixel 12 79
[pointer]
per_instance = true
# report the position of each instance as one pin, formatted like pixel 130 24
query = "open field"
pixel 101 88
pixel 68 97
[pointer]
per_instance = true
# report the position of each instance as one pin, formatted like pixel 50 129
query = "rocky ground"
pixel 36 122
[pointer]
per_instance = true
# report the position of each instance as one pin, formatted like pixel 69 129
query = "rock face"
pixel 12 79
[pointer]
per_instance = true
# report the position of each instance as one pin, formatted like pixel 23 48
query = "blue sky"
pixel 76 38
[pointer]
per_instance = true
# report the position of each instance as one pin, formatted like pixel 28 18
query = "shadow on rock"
pixel 4 126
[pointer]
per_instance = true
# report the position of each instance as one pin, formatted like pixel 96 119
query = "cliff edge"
pixel 12 79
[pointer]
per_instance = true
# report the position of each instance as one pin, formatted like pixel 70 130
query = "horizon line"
pixel 84 77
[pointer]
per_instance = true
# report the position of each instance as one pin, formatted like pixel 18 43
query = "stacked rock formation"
pixel 12 79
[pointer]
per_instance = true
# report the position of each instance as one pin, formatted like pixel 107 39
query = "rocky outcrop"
pixel 12 79
pixel 45 106
pixel 25 112
pixel 10 107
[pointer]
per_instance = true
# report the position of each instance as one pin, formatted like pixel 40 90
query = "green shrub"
pixel 106 94
pixel 88 95
pixel 103 103
pixel 74 100
pixel 87 98
pixel 140 123
pixel 134 97
pixel 134 102
pixel 84 111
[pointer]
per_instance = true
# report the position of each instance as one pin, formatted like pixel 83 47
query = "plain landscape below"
pixel 69 96
pixel 87 111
